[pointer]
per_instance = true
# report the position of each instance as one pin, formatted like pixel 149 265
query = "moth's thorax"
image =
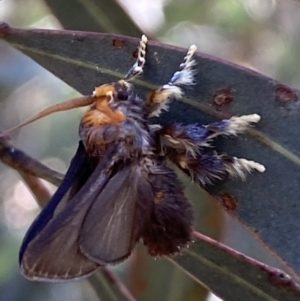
pixel 117 116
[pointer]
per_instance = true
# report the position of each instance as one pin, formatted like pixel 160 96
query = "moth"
pixel 119 188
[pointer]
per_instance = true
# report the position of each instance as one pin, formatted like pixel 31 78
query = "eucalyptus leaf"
pixel 108 287
pixel 234 276
pixel 93 15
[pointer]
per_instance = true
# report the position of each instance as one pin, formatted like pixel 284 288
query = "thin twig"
pixel 116 282
pixel 23 163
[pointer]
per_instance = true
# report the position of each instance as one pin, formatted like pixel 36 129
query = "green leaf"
pixel 234 276
pixel 267 204
pixel 108 287
pixel 93 15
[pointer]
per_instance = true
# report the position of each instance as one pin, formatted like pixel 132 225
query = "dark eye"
pixel 122 95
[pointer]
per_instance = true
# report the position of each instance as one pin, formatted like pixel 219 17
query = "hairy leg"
pixel 189 148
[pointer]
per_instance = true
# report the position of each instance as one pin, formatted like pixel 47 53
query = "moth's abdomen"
pixel 170 223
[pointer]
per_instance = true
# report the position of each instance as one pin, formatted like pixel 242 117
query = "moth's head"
pixel 119 91
pixel 111 97
pixel 112 93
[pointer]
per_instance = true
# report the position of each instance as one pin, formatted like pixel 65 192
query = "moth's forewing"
pixel 78 161
pixel 53 252
pixel 111 227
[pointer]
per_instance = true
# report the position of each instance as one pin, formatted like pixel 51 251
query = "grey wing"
pixel 54 253
pixel 111 227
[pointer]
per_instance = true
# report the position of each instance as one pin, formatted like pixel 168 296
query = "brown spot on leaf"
pixel 135 53
pixel 118 43
pixel 79 38
pixel 285 94
pixel 223 97
pixel 280 278
pixel 228 201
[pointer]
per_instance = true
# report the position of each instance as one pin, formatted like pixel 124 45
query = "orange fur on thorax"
pixel 101 114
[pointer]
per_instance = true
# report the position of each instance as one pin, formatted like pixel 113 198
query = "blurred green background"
pixel 262 35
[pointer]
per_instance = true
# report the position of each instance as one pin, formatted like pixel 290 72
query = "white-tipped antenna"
pixel 184 76
pixel 63 106
pixel 138 66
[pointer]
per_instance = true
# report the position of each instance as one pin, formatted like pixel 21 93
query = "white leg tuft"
pixel 240 124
